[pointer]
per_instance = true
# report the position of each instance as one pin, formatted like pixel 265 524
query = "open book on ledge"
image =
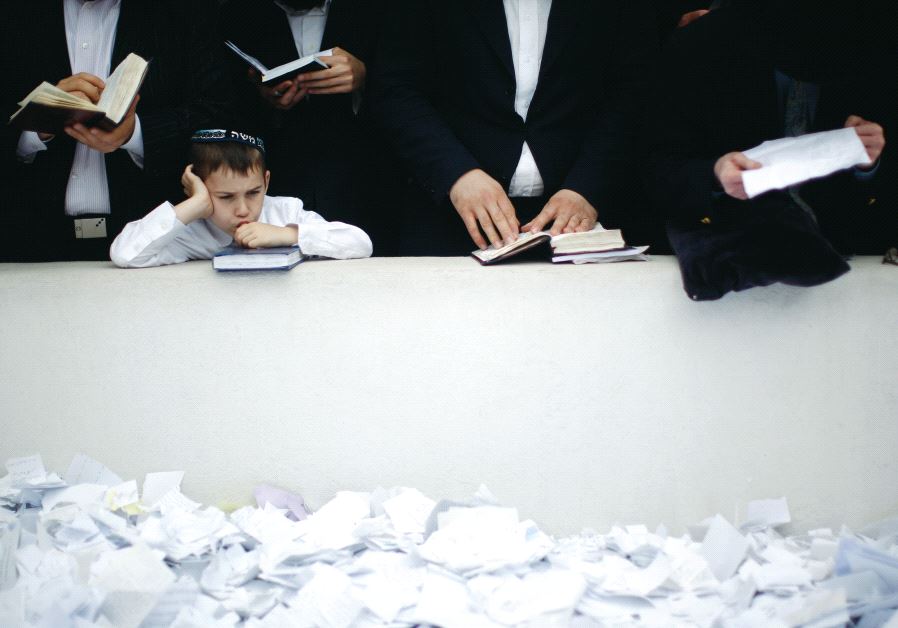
pixel 597 245
pixel 49 109
pixel 309 63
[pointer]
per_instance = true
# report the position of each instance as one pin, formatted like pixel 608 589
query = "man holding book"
pixel 320 140
pixel 78 187
pixel 519 114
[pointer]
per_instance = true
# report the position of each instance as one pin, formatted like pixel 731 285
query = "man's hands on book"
pixel 345 74
pixel 728 171
pixel 258 235
pixel 871 135
pixel 568 211
pixel 83 85
pixel 106 141
pixel 482 204
pixel 284 96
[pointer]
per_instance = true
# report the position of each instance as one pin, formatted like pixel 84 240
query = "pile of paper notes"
pixel 88 549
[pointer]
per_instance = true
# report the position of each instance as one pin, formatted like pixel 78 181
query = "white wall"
pixel 583 395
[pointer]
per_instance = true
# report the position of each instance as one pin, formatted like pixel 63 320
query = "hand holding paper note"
pixel 792 160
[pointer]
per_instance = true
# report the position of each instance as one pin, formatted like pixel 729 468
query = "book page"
pixel 47 94
pixel 588 242
pixel 261 67
pixel 312 60
pixel 525 240
pixel 121 87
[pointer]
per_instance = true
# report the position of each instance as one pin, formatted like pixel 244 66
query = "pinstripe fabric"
pixel 185 89
pixel 90 31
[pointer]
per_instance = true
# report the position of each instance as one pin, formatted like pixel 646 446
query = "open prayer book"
pixel 236 257
pixel 309 63
pixel 49 109
pixel 597 245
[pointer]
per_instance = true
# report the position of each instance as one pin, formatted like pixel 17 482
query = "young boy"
pixel 226 203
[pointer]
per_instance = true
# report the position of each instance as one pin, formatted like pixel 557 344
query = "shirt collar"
pixel 316 11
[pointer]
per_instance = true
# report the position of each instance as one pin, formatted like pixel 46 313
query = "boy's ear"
pixel 267 179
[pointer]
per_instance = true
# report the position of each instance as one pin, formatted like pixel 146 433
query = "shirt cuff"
pixel 29 146
pixel 134 146
pixel 866 175
pixel 336 240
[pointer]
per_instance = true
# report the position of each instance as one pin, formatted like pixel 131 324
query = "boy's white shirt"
pixel 159 238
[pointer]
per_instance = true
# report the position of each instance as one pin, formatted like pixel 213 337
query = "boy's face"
pixel 236 197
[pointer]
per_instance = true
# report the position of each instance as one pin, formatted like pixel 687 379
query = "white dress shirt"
pixel 308 33
pixel 308 27
pixel 90 33
pixel 159 238
pixel 528 22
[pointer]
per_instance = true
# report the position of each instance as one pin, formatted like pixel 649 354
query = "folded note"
pixel 792 160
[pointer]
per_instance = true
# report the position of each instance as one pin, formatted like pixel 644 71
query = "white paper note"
pixel 26 468
pixel 85 470
pixel 724 548
pixel 792 160
pixel 133 578
pixel 769 513
pixel 156 485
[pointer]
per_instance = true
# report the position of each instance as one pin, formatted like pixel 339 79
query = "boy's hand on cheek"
pixel 257 235
pixel 199 203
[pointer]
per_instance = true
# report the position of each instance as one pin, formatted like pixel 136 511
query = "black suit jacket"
pixel 445 87
pixel 322 150
pixel 186 88
pixel 716 93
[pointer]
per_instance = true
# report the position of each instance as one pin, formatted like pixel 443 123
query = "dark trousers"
pixel 52 239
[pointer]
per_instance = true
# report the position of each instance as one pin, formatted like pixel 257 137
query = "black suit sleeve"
pixel 402 103
pixel 203 97
pixel 680 171
pixel 610 148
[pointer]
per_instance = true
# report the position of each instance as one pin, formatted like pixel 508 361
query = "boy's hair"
pixel 238 158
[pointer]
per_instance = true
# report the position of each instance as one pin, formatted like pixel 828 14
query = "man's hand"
pixel 198 204
pixel 689 18
pixel 480 200
pixel 871 135
pixel 345 74
pixel 570 211
pixel 106 141
pixel 728 171
pixel 83 85
pixel 284 96
pixel 257 235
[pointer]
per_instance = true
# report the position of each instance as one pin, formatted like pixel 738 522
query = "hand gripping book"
pixel 49 109
pixel 236 257
pixel 309 63
pixel 606 243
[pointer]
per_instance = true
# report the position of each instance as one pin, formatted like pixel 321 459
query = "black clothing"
pixel 185 89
